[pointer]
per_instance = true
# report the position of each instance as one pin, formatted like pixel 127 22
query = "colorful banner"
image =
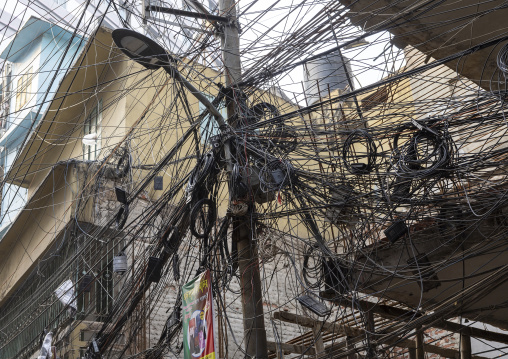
pixel 197 311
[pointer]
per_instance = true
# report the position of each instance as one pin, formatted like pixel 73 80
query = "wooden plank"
pixel 290 348
pixel 318 339
pixel 278 352
pixel 332 350
pixel 473 332
pixel 465 345
pixel 350 345
pixel 371 332
pixel 309 323
pixel 389 312
pixel 353 332
pixel 429 348
pixel 420 350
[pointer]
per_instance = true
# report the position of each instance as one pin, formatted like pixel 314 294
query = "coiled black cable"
pixel 359 163
pixel 200 172
pixel 202 217
pixel 425 152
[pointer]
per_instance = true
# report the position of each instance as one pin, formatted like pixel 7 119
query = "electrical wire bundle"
pixel 379 193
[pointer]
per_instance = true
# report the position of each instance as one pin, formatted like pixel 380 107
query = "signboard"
pixel 197 311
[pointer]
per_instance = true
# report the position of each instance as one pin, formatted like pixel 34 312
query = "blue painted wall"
pixel 40 48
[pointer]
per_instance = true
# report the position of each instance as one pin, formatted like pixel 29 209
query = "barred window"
pixel 24 87
pixel 93 125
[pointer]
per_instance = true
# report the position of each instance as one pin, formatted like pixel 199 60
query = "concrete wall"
pixel 39 60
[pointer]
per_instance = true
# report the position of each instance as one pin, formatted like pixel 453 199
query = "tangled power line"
pixel 355 193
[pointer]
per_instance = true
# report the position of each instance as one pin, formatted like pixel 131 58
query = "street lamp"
pixel 153 56
pixel 142 49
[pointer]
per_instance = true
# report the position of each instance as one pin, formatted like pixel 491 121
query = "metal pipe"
pixel 195 15
pixel 197 94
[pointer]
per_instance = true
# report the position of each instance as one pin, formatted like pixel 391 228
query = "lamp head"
pixel 141 49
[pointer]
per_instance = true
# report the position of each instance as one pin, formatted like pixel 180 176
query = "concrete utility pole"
pixel 248 264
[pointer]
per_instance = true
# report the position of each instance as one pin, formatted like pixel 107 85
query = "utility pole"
pixel 248 264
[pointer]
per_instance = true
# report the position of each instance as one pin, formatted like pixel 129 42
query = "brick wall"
pixel 279 291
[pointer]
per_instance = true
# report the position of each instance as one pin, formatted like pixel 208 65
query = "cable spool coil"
pixel 206 217
pixel 352 160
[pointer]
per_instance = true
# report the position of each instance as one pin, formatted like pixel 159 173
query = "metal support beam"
pixel 196 5
pixel 172 71
pixel 195 15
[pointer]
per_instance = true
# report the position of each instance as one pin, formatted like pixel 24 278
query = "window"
pixel 124 11
pixel 5 96
pixel 92 125
pixel 95 289
pixel 209 126
pixel 24 87
pixel 213 6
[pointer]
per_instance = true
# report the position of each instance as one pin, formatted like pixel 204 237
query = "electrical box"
pixel 158 183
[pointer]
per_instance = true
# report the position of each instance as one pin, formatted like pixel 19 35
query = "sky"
pixel 262 31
